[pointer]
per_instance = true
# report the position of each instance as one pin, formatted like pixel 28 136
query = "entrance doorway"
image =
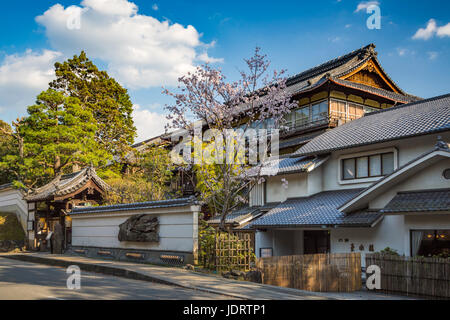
pixel 316 242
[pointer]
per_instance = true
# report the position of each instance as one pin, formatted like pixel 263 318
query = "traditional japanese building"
pixel 51 203
pixel 379 181
pixel 336 92
pixel 328 95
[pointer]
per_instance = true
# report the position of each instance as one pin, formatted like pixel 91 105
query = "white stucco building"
pixel 379 181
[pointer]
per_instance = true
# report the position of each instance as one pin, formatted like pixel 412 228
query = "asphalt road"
pixel 28 281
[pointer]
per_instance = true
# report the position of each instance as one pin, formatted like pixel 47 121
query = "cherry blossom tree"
pixel 205 99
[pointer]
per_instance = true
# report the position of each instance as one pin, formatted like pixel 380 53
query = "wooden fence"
pixel 426 277
pixel 233 250
pixel 223 251
pixel 336 272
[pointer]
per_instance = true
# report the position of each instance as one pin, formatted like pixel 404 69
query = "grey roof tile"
pixel 287 165
pixel 317 210
pixel 406 98
pixel 243 213
pixel 419 201
pixel 414 119
pixel 296 141
pixel 181 202
pixel 236 216
pixel 66 184
pixel 6 186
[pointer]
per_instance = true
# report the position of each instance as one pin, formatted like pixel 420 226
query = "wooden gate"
pixel 336 272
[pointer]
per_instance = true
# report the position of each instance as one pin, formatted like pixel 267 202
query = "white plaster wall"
pixel 315 181
pixel 263 239
pixel 178 230
pixel 283 242
pixel 408 149
pixel 427 179
pixel 297 187
pixel 387 233
pixel 11 201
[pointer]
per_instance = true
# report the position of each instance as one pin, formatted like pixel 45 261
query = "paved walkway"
pixel 192 280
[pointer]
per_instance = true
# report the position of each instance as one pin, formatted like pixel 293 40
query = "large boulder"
pixel 140 228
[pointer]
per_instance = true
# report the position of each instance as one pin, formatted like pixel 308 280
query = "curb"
pixel 112 271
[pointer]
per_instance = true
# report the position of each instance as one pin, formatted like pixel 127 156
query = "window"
pixel 349 169
pixel 338 109
pixel 368 166
pixel 347 111
pixel 355 111
pixel 430 243
pixel 265 252
pixel 319 111
pixel 307 114
pixel 302 116
pixel 375 165
pixel 369 109
pixel 362 167
pixel 387 163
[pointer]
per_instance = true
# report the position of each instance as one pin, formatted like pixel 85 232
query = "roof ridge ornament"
pixel 441 144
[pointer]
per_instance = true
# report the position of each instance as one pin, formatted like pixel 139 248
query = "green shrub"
pixel 10 228
pixel 389 251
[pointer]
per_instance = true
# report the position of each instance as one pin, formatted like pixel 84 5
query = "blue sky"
pixel 146 44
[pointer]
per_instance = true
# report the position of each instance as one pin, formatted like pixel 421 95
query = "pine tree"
pixel 58 135
pixel 104 96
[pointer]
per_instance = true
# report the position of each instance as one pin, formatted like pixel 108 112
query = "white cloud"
pixel 155 7
pixel 205 58
pixel 432 55
pixel 148 124
pixel 431 30
pixel 428 32
pixel 111 7
pixel 365 4
pixel 140 50
pixel 23 77
pixel 444 31
pixel 402 52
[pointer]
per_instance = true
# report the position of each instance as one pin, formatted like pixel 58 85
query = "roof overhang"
pixel 362 200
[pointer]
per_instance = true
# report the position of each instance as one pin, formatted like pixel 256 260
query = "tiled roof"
pixel 236 216
pixel 419 201
pixel 137 206
pixel 339 67
pixel 414 119
pixel 288 165
pixel 296 141
pixel 66 184
pixel 405 98
pixel 243 213
pixel 6 186
pixel 315 211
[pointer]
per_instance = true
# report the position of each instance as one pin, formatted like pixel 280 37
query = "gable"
pixel 371 74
